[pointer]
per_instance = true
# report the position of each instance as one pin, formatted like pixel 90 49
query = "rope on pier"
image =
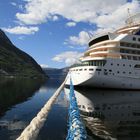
pixel 32 130
pixel 76 127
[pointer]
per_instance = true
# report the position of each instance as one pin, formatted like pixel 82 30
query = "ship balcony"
pixel 89 58
pixel 128 54
pixel 103 48
pixel 106 54
pixel 128 30
pixel 130 46
pixel 104 44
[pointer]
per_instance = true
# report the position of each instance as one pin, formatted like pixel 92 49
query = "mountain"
pixel 16 63
pixel 56 73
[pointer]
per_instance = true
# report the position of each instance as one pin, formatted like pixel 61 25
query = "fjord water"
pixel 115 113
pixel 21 100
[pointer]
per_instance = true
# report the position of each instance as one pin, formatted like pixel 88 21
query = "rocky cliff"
pixel 16 63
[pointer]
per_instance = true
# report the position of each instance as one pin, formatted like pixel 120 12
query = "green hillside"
pixel 16 63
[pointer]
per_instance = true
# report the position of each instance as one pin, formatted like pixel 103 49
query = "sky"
pixel 56 32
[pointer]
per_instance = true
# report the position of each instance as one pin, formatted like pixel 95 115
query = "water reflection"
pixel 21 100
pixel 110 114
pixel 16 91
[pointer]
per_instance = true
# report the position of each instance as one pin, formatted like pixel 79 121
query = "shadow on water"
pixel 15 91
pixel 109 114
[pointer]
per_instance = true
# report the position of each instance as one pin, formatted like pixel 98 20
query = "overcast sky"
pixel 56 32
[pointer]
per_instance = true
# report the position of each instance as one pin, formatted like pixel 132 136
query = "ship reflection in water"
pixel 110 114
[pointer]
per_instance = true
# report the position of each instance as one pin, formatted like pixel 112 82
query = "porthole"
pixel 91 69
pixel 134 39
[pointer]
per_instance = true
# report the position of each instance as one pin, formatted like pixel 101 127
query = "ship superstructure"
pixel 112 59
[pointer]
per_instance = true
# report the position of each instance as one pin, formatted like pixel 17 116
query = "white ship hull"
pixel 112 60
pixel 108 76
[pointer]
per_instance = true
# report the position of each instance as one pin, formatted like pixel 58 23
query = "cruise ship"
pixel 112 59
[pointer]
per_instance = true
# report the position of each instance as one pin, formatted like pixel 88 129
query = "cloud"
pixel 105 22
pixel 44 66
pixel 21 30
pixel 13 3
pixel 106 15
pixel 55 18
pixel 69 57
pixel 81 39
pixel 71 24
pixel 17 6
pixel 116 19
pixel 39 11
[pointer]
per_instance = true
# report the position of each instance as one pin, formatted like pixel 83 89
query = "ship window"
pixel 138 52
pixel 98 69
pixel 124 57
pixel 129 57
pixel 91 69
pixel 111 63
pixel 79 106
pixel 134 52
pixel 138 46
pixel 129 65
pixel 137 66
pixel 138 33
pixel 123 72
pixel 85 69
pixel 134 58
pixel 134 38
pixel 83 106
pixel 96 62
pixel 129 72
pixel 122 50
pixel 80 69
pixel 110 70
pixel 118 72
pixel 123 64
pixel 139 39
pixel 126 51
pixel 117 64
pixel 89 108
pixel 99 39
pixel 122 44
pixel 133 45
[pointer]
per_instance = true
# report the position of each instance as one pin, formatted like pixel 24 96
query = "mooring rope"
pixel 76 129
pixel 32 130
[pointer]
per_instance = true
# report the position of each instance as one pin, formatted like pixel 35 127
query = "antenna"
pixel 129 21
pixel 90 35
pixel 128 10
